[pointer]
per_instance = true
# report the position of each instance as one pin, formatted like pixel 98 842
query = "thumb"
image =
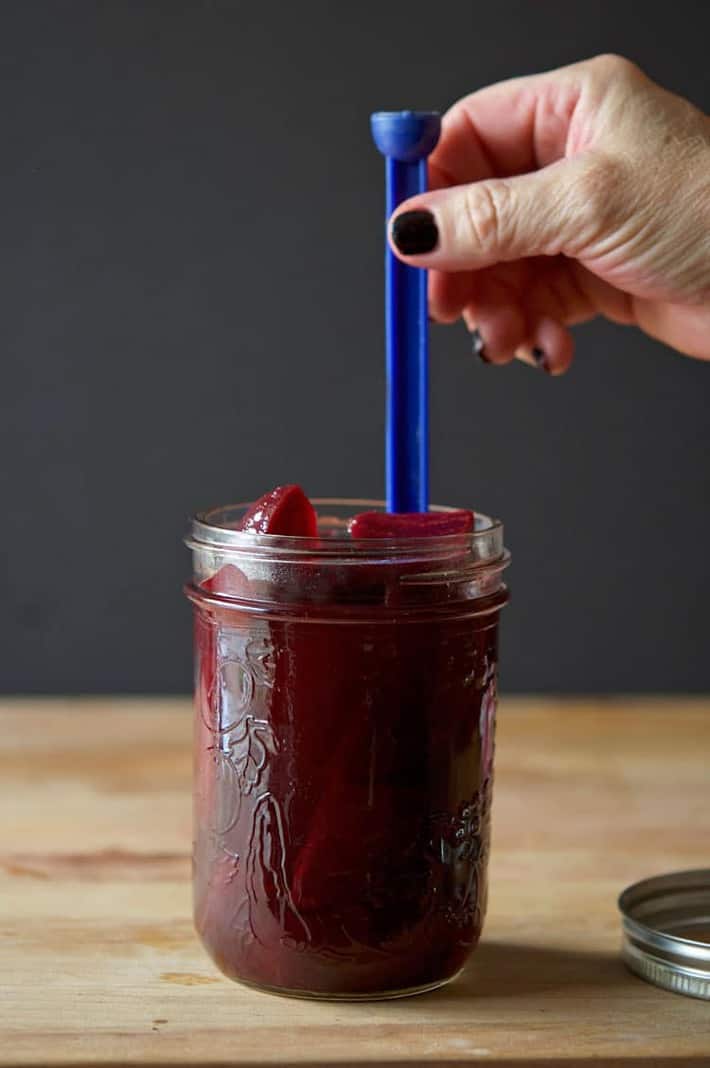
pixel 560 208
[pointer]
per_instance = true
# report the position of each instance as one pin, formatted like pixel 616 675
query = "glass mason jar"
pixel 345 708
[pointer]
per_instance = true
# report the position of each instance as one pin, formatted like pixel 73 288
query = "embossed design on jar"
pixel 247 746
pixel 266 875
pixel 236 690
pixel 487 727
pixel 242 740
pixel 243 666
pixel 262 660
pixel 240 756
pixel 227 795
pixel 458 846
pixel 247 832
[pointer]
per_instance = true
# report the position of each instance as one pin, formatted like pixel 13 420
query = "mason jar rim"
pixel 214 529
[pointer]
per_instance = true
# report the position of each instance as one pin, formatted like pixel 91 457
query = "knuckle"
pixel 610 65
pixel 596 196
pixel 487 213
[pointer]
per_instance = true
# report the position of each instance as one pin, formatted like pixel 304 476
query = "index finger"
pixel 509 128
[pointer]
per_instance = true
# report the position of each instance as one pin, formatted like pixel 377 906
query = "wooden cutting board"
pixel 100 964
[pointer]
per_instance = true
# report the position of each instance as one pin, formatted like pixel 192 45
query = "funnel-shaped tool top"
pixel 406 136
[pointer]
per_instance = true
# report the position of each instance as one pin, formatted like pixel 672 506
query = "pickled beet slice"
pixel 411 524
pixel 229 580
pixel 285 510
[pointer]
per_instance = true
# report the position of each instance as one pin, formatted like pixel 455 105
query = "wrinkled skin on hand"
pixel 580 192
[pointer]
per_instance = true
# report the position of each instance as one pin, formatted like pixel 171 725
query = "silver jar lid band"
pixel 666 931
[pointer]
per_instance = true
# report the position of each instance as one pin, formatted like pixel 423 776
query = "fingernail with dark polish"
pixel 540 358
pixel 415 232
pixel 479 349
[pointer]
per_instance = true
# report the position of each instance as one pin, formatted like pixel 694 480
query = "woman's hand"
pixel 562 196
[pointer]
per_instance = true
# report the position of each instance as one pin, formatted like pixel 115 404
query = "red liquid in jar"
pixel 343 779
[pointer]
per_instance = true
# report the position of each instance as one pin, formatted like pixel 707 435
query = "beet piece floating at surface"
pixel 284 510
pixel 411 524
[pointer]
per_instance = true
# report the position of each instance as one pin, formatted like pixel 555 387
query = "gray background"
pixel 191 312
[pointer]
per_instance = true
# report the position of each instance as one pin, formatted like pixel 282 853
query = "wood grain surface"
pixel 100 964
